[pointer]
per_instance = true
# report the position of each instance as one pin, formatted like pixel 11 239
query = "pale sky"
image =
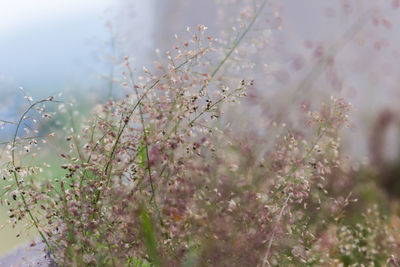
pixel 48 46
pixel 16 14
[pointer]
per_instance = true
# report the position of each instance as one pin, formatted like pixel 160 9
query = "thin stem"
pixel 228 55
pixel 265 261
pixel 213 105
pixel 89 158
pixel 126 121
pixel 19 186
pixel 146 146
pixel 74 137
pixel 9 122
pixel 236 43
pixel 25 138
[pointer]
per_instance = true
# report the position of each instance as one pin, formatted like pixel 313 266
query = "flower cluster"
pixel 163 177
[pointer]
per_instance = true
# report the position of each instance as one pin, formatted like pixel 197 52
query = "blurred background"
pixel 50 47
pixel 301 51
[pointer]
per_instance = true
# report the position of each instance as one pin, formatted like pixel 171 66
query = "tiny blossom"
pixel 30 99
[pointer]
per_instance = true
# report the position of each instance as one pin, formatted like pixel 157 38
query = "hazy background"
pixel 63 46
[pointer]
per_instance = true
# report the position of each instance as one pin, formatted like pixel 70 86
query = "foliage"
pixel 161 177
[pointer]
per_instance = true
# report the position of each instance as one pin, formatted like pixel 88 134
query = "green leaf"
pixel 142 156
pixel 149 237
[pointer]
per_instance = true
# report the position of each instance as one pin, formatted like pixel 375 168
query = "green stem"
pixel 126 121
pixel 146 146
pixel 236 43
pixel 228 55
